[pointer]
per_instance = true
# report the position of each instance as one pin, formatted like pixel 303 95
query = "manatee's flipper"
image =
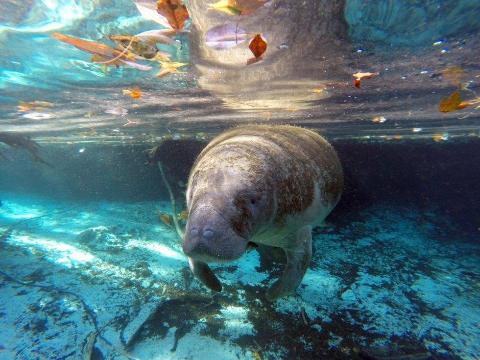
pixel 205 275
pixel 298 254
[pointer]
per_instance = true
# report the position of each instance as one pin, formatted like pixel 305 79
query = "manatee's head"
pixel 222 218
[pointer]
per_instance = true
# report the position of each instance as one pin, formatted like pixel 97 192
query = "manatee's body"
pixel 263 184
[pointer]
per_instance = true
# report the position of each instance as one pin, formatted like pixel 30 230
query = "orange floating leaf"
pixel 134 93
pixel 174 11
pixel 88 46
pixel 257 46
pixel 33 105
pixel 450 103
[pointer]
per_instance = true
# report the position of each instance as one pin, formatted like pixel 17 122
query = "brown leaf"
pixel 175 12
pixel 258 45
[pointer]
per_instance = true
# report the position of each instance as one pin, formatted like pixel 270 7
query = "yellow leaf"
pixel 226 6
pixel 450 103
pixel 169 67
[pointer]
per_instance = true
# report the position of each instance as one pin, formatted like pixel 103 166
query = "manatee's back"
pixel 287 160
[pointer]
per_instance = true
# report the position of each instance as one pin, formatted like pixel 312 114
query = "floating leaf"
pixel 238 7
pixel 226 6
pixel 440 137
pixel 225 36
pixel 174 11
pixel 169 67
pixel 358 77
pixel 33 105
pixel 88 46
pixel 102 54
pixel 133 44
pixel 450 103
pixel 379 119
pixel 134 93
pixel 183 215
pixel 166 219
pixel 257 46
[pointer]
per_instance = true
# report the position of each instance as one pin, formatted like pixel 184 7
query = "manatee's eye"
pixel 253 201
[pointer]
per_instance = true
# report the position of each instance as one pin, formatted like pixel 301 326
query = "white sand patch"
pixel 317 295
pixel 245 273
pixel 236 322
pixel 192 346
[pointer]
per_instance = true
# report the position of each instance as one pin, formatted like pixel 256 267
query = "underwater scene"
pixel 240 179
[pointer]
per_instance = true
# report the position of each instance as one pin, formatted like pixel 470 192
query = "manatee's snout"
pixel 197 238
pixel 209 237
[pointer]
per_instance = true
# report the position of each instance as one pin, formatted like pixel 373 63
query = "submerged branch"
pixel 172 201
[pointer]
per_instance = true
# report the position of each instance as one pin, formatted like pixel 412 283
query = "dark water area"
pixel 422 175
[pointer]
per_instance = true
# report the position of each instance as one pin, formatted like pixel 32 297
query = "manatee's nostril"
pixel 207 233
pixel 194 231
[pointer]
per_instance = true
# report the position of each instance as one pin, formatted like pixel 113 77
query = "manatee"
pixel 265 185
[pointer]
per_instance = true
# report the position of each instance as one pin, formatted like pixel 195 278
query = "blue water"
pixel 88 268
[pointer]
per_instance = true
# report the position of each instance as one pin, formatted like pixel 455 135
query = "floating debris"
pixel 440 137
pixel 238 7
pixel 183 215
pixel 174 11
pixel 37 116
pixel 117 111
pixel 134 93
pixel 453 103
pixel 167 219
pixel 131 123
pixel 359 76
pixel 379 119
pixel 416 130
pixel 169 67
pixel 257 46
pixel 33 105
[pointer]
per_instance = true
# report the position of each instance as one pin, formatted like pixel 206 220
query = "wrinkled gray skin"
pixel 263 184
